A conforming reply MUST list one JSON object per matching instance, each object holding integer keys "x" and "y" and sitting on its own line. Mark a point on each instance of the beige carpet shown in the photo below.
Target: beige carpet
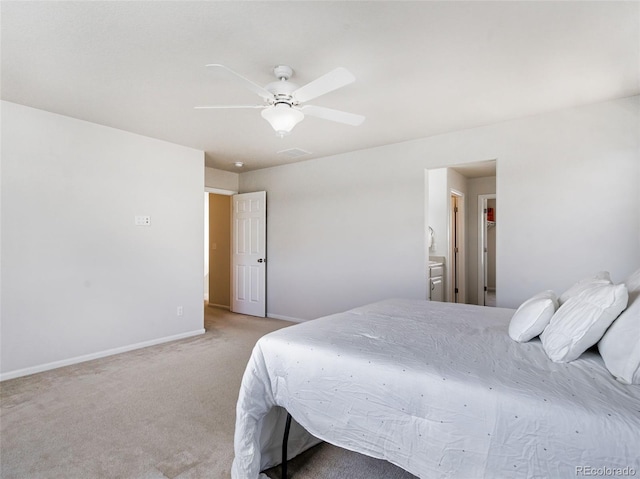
{"x": 166, "y": 411}
{"x": 330, "y": 462}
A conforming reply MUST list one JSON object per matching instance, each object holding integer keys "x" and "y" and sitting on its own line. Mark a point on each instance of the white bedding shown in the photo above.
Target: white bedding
{"x": 438, "y": 389}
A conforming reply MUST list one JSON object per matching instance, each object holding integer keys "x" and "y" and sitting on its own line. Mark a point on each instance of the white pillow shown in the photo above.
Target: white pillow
{"x": 582, "y": 320}
{"x": 601, "y": 277}
{"x": 620, "y": 345}
{"x": 532, "y": 316}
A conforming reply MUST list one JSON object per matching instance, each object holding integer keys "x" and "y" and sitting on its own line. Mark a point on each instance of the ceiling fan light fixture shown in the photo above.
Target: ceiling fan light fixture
{"x": 284, "y": 101}
{"x": 282, "y": 117}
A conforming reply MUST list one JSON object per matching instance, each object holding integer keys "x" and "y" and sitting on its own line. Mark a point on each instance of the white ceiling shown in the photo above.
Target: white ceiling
{"x": 422, "y": 68}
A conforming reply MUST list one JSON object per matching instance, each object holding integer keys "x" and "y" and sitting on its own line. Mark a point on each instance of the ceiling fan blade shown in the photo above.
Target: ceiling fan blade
{"x": 213, "y": 107}
{"x": 254, "y": 87}
{"x": 330, "y": 81}
{"x": 333, "y": 115}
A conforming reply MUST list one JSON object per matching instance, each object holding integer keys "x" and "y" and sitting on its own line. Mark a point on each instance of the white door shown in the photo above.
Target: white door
{"x": 248, "y": 256}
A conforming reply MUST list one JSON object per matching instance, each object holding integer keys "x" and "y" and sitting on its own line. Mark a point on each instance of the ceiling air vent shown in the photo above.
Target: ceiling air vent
{"x": 294, "y": 152}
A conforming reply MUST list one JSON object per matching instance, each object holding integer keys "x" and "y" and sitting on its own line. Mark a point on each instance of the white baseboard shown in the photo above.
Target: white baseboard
{"x": 88, "y": 357}
{"x": 286, "y": 318}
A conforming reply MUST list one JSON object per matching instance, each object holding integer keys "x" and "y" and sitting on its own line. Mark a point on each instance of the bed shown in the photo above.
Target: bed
{"x": 438, "y": 389}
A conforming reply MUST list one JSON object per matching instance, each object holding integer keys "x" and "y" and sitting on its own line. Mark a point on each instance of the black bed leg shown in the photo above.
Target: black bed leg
{"x": 285, "y": 439}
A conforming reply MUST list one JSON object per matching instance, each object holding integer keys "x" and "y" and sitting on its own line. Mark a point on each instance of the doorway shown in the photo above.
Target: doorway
{"x": 466, "y": 181}
{"x": 218, "y": 249}
{"x": 456, "y": 249}
{"x": 234, "y": 274}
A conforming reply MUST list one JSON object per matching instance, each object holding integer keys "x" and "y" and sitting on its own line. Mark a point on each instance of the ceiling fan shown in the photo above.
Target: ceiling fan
{"x": 283, "y": 100}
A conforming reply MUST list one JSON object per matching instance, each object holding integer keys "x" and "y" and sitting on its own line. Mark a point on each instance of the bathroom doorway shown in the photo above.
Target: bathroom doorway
{"x": 470, "y": 181}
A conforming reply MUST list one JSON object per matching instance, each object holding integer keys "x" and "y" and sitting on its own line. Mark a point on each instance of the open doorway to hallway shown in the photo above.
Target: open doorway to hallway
{"x": 447, "y": 188}
{"x": 217, "y": 268}
{"x": 235, "y": 251}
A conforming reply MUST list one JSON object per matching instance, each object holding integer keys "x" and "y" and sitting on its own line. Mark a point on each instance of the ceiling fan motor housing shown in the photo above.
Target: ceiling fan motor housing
{"x": 282, "y": 72}
{"x": 282, "y": 91}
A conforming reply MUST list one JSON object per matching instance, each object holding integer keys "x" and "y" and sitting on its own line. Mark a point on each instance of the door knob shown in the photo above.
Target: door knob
{"x": 261, "y": 260}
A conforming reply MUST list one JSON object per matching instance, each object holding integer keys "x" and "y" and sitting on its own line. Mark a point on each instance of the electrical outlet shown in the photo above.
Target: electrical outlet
{"x": 179, "y": 311}
{"x": 143, "y": 220}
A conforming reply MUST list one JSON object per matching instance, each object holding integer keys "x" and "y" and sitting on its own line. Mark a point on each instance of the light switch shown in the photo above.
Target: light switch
{"x": 143, "y": 220}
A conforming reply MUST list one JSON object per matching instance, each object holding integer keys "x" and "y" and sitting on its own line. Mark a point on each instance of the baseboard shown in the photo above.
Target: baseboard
{"x": 88, "y": 357}
{"x": 286, "y": 318}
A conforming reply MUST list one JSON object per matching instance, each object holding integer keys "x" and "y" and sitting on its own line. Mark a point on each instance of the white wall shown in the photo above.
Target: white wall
{"x": 220, "y": 179}
{"x": 456, "y": 182}
{"x": 79, "y": 279}
{"x": 338, "y": 233}
{"x": 349, "y": 229}
{"x": 438, "y": 211}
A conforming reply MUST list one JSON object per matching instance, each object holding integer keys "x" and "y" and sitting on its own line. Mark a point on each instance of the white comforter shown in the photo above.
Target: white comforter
{"x": 438, "y": 389}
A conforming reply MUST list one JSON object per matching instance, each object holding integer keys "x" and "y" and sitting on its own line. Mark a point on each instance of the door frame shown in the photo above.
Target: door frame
{"x": 207, "y": 241}
{"x": 458, "y": 268}
{"x": 482, "y": 244}
{"x": 219, "y": 191}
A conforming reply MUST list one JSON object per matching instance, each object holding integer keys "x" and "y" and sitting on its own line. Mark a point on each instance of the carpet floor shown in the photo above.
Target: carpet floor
{"x": 161, "y": 412}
